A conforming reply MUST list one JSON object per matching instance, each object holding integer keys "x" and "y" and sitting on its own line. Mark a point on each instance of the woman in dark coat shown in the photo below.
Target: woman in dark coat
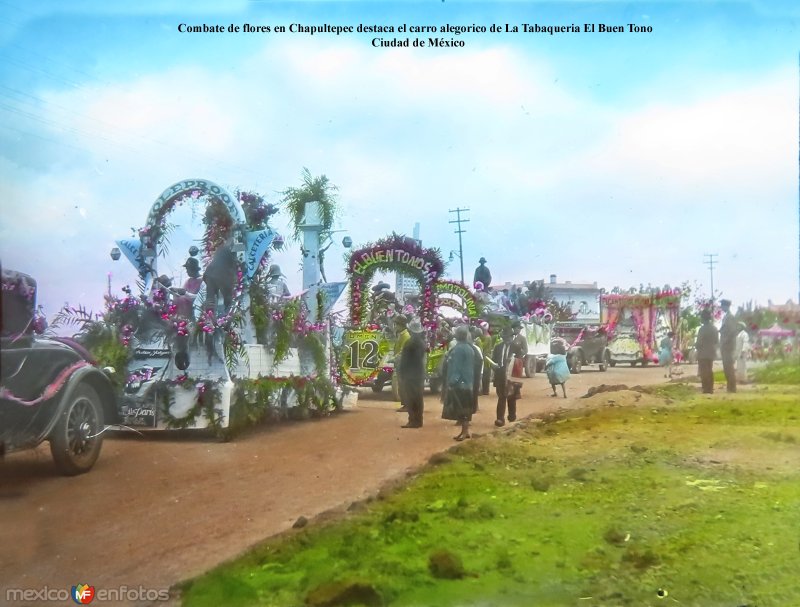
{"x": 459, "y": 382}
{"x": 412, "y": 373}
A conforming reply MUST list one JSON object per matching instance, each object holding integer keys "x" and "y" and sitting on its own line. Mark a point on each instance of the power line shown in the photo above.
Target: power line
{"x": 458, "y": 220}
{"x": 710, "y": 261}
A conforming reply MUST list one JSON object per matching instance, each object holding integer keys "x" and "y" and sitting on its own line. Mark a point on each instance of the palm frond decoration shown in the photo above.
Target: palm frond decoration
{"x": 318, "y": 189}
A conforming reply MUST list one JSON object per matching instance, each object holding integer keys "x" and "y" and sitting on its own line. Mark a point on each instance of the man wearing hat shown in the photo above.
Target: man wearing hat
{"x": 276, "y": 285}
{"x": 482, "y": 274}
{"x": 502, "y": 360}
{"x": 727, "y": 344}
{"x": 705, "y": 345}
{"x": 411, "y": 365}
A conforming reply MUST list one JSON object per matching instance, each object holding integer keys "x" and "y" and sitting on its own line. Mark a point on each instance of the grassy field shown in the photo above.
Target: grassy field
{"x": 663, "y": 497}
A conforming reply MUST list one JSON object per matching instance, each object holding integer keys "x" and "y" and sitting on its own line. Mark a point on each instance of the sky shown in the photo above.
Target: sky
{"x": 617, "y": 158}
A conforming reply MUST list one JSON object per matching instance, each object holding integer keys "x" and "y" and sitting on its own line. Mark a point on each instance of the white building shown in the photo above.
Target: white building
{"x": 582, "y": 298}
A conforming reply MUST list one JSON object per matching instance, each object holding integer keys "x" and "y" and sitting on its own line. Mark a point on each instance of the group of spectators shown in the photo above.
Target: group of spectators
{"x": 467, "y": 370}
{"x": 733, "y": 343}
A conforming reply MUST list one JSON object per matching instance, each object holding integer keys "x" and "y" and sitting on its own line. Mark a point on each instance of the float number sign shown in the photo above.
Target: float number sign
{"x": 363, "y": 353}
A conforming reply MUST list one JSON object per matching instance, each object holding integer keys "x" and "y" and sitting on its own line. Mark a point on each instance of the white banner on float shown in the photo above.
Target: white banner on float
{"x": 257, "y": 244}
{"x": 131, "y": 249}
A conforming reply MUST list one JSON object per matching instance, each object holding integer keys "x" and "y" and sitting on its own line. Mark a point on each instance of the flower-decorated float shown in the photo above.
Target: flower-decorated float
{"x": 636, "y": 322}
{"x": 230, "y": 346}
{"x": 368, "y": 342}
{"x": 534, "y": 324}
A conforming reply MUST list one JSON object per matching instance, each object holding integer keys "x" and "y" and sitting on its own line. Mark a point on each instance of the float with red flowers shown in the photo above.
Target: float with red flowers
{"x": 224, "y": 348}
{"x": 636, "y": 321}
{"x": 368, "y": 341}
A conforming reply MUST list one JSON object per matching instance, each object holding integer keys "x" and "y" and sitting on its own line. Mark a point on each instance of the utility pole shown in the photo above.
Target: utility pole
{"x": 710, "y": 261}
{"x": 459, "y": 231}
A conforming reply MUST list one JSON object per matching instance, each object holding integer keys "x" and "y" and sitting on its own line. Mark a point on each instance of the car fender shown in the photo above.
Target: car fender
{"x": 95, "y": 378}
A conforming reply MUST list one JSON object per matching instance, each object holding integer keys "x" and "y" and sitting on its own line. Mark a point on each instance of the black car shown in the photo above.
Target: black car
{"x": 50, "y": 389}
{"x": 587, "y": 345}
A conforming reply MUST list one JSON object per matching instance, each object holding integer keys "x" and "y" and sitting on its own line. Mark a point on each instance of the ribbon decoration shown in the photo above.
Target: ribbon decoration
{"x": 52, "y": 388}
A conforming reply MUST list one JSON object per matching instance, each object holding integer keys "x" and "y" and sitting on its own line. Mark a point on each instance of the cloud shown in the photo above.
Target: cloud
{"x": 555, "y": 180}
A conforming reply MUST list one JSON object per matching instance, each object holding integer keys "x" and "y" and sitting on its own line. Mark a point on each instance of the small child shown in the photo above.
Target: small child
{"x": 556, "y": 366}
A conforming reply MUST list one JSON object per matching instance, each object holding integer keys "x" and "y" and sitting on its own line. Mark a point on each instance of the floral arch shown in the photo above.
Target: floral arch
{"x": 454, "y": 294}
{"x": 228, "y": 218}
{"x": 400, "y": 254}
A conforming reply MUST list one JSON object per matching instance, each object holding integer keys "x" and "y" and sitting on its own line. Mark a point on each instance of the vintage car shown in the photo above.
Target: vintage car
{"x": 49, "y": 387}
{"x": 587, "y": 345}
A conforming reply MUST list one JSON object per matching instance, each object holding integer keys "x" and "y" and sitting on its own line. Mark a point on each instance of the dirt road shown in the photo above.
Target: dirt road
{"x": 158, "y": 510}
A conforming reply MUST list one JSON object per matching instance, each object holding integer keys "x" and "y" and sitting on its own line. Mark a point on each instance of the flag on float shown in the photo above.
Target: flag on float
{"x": 331, "y": 291}
{"x": 132, "y": 249}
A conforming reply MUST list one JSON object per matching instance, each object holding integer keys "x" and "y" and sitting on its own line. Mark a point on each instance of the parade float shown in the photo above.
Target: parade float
{"x": 535, "y": 325}
{"x": 367, "y": 345}
{"x": 455, "y": 302}
{"x": 635, "y": 322}
{"x": 538, "y": 332}
{"x": 225, "y": 350}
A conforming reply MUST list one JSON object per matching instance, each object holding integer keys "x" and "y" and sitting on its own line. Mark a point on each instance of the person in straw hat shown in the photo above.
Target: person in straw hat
{"x": 412, "y": 373}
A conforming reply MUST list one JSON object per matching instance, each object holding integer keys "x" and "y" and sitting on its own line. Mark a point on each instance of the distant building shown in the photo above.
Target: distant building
{"x": 405, "y": 285}
{"x": 789, "y": 309}
{"x": 582, "y": 298}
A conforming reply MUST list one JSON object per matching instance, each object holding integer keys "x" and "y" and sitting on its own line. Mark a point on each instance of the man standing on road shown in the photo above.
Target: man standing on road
{"x": 727, "y": 344}
{"x": 706, "y": 348}
{"x": 411, "y": 365}
{"x": 502, "y": 359}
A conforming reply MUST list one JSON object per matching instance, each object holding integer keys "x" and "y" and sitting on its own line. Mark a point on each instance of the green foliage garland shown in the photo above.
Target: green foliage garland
{"x": 312, "y": 343}
{"x": 284, "y": 328}
{"x": 255, "y": 400}
{"x": 317, "y": 189}
{"x": 207, "y": 394}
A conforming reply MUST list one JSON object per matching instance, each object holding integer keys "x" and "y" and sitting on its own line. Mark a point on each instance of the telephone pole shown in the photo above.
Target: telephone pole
{"x": 710, "y": 261}
{"x": 459, "y": 231}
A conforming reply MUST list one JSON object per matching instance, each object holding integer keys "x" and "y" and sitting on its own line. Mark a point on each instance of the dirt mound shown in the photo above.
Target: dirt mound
{"x": 613, "y": 396}
{"x": 604, "y": 388}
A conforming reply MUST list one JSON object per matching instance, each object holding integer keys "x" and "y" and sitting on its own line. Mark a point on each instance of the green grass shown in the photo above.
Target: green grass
{"x": 779, "y": 372}
{"x": 692, "y": 496}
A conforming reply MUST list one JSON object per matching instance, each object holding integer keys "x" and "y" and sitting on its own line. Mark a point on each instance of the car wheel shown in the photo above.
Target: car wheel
{"x": 77, "y": 437}
{"x": 645, "y": 362}
{"x": 377, "y": 386}
{"x": 605, "y": 361}
{"x": 612, "y": 363}
{"x": 530, "y": 366}
{"x": 577, "y": 363}
{"x": 434, "y": 385}
{"x": 633, "y": 363}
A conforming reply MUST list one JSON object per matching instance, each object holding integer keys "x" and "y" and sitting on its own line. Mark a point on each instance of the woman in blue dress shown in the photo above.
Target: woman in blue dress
{"x": 556, "y": 366}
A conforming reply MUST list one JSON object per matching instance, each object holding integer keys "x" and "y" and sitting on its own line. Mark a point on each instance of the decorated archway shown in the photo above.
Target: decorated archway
{"x": 454, "y": 294}
{"x": 240, "y": 220}
{"x": 395, "y": 254}
{"x": 224, "y": 217}
{"x": 365, "y": 346}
